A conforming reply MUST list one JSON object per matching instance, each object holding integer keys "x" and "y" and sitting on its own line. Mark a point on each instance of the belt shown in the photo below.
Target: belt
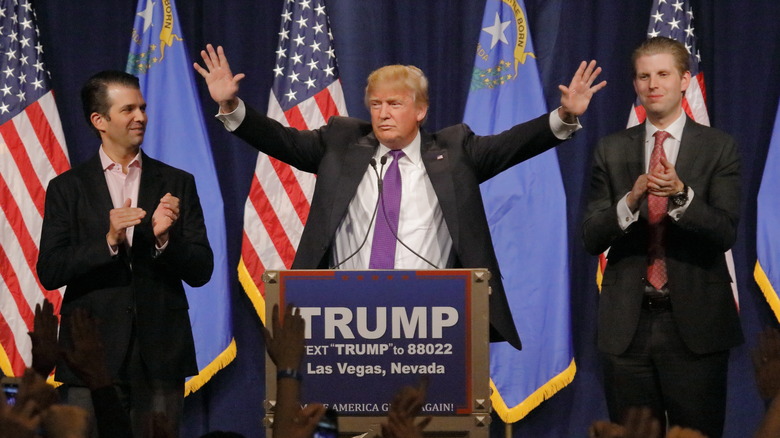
{"x": 663, "y": 302}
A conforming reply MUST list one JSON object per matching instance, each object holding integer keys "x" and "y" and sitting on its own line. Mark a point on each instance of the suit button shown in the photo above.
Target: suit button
{"x": 129, "y": 310}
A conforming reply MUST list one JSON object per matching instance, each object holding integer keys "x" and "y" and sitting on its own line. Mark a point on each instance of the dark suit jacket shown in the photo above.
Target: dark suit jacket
{"x": 133, "y": 285}
{"x": 702, "y": 301}
{"x": 456, "y": 161}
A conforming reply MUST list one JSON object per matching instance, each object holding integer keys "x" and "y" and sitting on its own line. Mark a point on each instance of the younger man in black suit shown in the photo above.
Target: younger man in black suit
{"x": 121, "y": 232}
{"x": 664, "y": 199}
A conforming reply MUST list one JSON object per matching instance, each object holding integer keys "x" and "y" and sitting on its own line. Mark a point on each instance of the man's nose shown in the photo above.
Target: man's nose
{"x": 383, "y": 111}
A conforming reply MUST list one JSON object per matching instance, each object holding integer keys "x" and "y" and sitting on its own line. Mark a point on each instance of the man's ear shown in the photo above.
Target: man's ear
{"x": 97, "y": 121}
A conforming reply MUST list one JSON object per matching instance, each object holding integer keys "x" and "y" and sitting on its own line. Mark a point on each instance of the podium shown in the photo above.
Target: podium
{"x": 369, "y": 333}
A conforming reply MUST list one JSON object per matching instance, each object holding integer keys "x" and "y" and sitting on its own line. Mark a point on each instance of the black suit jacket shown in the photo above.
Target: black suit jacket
{"x": 702, "y": 301}
{"x": 134, "y": 290}
{"x": 456, "y": 161}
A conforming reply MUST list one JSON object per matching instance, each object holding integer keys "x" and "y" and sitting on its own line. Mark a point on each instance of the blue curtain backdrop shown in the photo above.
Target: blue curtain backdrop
{"x": 740, "y": 45}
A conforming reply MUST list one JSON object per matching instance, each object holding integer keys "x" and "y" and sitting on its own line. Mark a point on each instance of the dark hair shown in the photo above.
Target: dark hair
{"x": 658, "y": 45}
{"x": 94, "y": 93}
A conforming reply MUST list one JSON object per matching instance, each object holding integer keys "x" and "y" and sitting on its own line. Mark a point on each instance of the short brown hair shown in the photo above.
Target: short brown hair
{"x": 659, "y": 45}
{"x": 406, "y": 76}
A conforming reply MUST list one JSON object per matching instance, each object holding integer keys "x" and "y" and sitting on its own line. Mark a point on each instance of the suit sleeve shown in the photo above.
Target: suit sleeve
{"x": 492, "y": 154}
{"x": 713, "y": 214}
{"x": 188, "y": 255}
{"x": 61, "y": 258}
{"x": 299, "y": 148}
{"x": 600, "y": 226}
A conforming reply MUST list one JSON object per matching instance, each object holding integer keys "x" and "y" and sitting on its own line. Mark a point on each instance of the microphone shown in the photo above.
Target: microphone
{"x": 376, "y": 207}
{"x": 384, "y": 213}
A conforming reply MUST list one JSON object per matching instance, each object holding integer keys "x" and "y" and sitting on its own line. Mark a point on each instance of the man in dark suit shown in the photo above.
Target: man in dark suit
{"x": 121, "y": 232}
{"x": 664, "y": 199}
{"x": 440, "y": 221}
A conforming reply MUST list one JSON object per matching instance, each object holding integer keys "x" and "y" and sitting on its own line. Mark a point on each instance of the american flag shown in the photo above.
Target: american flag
{"x": 675, "y": 20}
{"x": 32, "y": 152}
{"x": 306, "y": 93}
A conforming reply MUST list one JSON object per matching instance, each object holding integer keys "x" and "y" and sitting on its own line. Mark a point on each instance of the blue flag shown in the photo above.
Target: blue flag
{"x": 177, "y": 136}
{"x": 767, "y": 272}
{"x": 526, "y": 209}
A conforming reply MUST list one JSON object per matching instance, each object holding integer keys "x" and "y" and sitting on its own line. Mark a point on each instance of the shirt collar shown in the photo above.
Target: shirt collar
{"x": 412, "y": 150}
{"x": 675, "y": 129}
{"x": 107, "y": 163}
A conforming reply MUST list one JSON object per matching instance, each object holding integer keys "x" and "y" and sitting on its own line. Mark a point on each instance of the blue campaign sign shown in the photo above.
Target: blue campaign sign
{"x": 369, "y": 333}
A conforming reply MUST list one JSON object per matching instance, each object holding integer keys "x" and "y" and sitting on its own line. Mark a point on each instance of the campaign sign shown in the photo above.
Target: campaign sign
{"x": 369, "y": 333}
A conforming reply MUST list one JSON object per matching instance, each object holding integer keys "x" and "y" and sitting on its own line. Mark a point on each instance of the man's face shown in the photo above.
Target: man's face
{"x": 394, "y": 115}
{"x": 659, "y": 85}
{"x": 125, "y": 125}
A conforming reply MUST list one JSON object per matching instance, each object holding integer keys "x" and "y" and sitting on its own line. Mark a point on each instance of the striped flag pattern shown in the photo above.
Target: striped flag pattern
{"x": 675, "y": 20}
{"x": 32, "y": 152}
{"x": 306, "y": 93}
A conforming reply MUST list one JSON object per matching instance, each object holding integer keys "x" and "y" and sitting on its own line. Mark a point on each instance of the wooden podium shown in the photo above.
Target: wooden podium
{"x": 369, "y": 333}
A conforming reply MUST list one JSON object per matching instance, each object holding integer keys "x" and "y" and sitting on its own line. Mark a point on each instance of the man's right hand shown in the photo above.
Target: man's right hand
{"x": 120, "y": 219}
{"x": 223, "y": 86}
{"x": 637, "y": 193}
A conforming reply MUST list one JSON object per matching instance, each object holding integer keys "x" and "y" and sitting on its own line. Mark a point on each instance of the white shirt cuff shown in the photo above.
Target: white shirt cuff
{"x": 231, "y": 121}
{"x": 561, "y": 129}
{"x": 625, "y": 216}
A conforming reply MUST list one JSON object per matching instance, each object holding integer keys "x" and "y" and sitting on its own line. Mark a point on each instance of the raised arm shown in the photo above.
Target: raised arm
{"x": 223, "y": 85}
{"x": 576, "y": 97}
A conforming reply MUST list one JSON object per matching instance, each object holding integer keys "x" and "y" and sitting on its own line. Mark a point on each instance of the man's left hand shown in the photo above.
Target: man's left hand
{"x": 663, "y": 180}
{"x": 165, "y": 215}
{"x": 576, "y": 97}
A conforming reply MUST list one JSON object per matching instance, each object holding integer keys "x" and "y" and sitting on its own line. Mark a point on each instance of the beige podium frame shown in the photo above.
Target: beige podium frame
{"x": 473, "y": 425}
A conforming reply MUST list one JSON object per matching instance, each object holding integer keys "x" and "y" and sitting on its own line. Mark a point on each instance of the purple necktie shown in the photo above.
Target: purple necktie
{"x": 656, "y": 206}
{"x": 383, "y": 246}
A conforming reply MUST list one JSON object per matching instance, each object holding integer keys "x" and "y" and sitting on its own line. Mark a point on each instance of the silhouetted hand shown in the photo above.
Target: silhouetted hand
{"x": 87, "y": 359}
{"x": 301, "y": 425}
{"x": 286, "y": 345}
{"x": 45, "y": 350}
{"x": 404, "y": 409}
{"x": 766, "y": 362}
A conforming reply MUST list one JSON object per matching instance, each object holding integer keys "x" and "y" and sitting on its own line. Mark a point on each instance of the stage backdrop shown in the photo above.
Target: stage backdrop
{"x": 740, "y": 48}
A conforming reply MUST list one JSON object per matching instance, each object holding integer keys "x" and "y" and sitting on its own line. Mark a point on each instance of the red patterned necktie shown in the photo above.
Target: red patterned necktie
{"x": 656, "y": 206}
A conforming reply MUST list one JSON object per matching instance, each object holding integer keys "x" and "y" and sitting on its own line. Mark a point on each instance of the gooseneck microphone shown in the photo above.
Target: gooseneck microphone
{"x": 382, "y": 161}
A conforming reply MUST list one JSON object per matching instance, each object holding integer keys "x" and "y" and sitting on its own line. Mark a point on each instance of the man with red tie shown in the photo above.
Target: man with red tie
{"x": 664, "y": 198}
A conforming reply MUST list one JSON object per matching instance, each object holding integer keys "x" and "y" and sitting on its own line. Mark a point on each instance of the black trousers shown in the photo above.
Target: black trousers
{"x": 658, "y": 371}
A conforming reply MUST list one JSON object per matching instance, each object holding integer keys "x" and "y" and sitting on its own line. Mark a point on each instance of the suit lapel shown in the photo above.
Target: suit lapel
{"x": 437, "y": 166}
{"x": 689, "y": 147}
{"x": 96, "y": 183}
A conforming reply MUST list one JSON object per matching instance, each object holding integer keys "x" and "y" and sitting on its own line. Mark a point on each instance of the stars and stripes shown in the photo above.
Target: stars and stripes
{"x": 306, "y": 93}
{"x": 32, "y": 152}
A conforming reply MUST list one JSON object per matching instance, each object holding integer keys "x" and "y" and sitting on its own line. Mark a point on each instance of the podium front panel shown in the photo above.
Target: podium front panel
{"x": 369, "y": 333}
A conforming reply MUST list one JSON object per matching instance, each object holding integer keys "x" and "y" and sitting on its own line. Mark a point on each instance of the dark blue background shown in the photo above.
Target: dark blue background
{"x": 740, "y": 45}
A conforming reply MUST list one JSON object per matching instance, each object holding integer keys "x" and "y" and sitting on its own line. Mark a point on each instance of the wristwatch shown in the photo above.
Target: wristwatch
{"x": 680, "y": 198}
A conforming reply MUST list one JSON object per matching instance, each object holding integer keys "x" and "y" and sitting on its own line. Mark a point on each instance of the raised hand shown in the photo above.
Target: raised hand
{"x": 45, "y": 350}
{"x": 576, "y": 97}
{"x": 87, "y": 358}
{"x": 286, "y": 345}
{"x": 165, "y": 215}
{"x": 223, "y": 85}
{"x": 120, "y": 219}
{"x": 404, "y": 409}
